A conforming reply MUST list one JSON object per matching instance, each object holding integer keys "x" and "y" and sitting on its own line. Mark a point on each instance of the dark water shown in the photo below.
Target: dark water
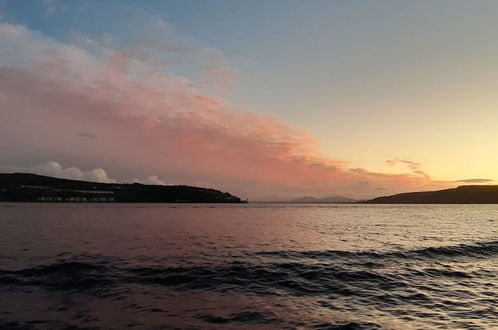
{"x": 71, "y": 266}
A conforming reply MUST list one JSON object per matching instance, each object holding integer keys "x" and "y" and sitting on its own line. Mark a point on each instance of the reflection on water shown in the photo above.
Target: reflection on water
{"x": 250, "y": 266}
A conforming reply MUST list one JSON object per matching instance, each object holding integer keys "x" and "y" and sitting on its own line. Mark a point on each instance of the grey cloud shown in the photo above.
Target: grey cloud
{"x": 475, "y": 180}
{"x": 87, "y": 135}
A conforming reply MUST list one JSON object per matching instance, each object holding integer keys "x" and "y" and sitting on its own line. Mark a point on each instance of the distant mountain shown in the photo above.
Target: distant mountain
{"x": 469, "y": 194}
{"x": 26, "y": 187}
{"x": 326, "y": 200}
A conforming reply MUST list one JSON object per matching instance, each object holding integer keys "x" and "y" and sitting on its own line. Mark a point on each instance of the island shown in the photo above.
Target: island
{"x": 28, "y": 187}
{"x": 468, "y": 194}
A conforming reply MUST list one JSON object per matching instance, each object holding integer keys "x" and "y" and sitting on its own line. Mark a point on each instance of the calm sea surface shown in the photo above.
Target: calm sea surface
{"x": 260, "y": 266}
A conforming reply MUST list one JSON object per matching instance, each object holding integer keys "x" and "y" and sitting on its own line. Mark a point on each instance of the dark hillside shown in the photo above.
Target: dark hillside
{"x": 472, "y": 194}
{"x": 25, "y": 187}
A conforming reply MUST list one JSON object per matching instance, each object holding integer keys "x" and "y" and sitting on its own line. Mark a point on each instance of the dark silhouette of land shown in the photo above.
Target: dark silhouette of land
{"x": 468, "y": 194}
{"x": 26, "y": 187}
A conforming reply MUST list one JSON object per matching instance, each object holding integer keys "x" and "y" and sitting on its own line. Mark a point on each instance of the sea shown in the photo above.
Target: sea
{"x": 248, "y": 266}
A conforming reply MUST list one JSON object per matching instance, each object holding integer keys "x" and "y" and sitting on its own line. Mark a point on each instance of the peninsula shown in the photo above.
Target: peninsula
{"x": 468, "y": 194}
{"x": 27, "y": 187}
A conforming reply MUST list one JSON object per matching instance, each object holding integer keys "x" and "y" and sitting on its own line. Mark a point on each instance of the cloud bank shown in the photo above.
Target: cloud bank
{"x": 151, "y": 179}
{"x": 117, "y": 109}
{"x": 55, "y": 169}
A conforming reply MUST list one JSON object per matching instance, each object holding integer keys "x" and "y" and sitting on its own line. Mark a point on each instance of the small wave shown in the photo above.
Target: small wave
{"x": 475, "y": 250}
{"x": 66, "y": 275}
{"x": 264, "y": 279}
{"x": 244, "y": 318}
{"x": 295, "y": 278}
{"x": 347, "y": 326}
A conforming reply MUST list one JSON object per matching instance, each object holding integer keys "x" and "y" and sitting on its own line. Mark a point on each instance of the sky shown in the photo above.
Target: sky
{"x": 268, "y": 100}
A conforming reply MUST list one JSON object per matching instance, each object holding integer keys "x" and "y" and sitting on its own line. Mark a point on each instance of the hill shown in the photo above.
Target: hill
{"x": 469, "y": 194}
{"x": 26, "y": 187}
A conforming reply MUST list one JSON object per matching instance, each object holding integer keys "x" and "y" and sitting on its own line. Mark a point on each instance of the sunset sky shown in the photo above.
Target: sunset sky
{"x": 267, "y": 99}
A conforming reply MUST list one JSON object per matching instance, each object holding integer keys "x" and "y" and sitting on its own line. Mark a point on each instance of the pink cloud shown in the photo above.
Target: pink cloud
{"x": 151, "y": 121}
